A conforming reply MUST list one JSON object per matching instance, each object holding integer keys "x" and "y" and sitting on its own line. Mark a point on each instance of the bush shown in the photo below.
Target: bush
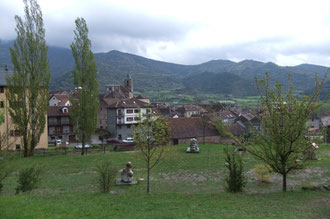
{"x": 235, "y": 179}
{"x": 262, "y": 171}
{"x": 106, "y": 175}
{"x": 28, "y": 179}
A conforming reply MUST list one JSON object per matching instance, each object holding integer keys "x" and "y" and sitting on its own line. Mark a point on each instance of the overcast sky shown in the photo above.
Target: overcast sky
{"x": 286, "y": 32}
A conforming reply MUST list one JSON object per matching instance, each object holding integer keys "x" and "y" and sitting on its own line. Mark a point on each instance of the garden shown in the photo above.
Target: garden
{"x": 183, "y": 185}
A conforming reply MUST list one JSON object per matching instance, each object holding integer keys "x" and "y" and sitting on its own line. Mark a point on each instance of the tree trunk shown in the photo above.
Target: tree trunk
{"x": 83, "y": 145}
{"x": 148, "y": 176}
{"x": 25, "y": 147}
{"x": 284, "y": 182}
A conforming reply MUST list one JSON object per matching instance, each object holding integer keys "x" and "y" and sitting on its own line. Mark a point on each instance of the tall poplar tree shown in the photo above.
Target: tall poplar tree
{"x": 85, "y": 99}
{"x": 28, "y": 85}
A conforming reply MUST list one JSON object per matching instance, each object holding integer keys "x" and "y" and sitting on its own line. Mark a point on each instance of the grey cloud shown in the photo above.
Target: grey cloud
{"x": 118, "y": 28}
{"x": 265, "y": 50}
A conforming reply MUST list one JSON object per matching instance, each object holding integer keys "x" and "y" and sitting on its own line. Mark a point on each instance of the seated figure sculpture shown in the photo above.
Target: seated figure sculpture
{"x": 193, "y": 148}
{"x": 127, "y": 173}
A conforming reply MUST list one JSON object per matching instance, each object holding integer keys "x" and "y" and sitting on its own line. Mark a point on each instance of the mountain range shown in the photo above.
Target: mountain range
{"x": 213, "y": 77}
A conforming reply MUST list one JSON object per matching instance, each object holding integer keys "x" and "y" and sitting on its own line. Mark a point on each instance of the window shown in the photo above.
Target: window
{"x": 136, "y": 118}
{"x": 2, "y": 104}
{"x": 128, "y": 119}
{"x": 58, "y": 129}
{"x": 119, "y": 126}
{"x": 119, "y": 137}
{"x": 18, "y": 147}
{"x": 2, "y": 89}
{"x": 136, "y": 111}
{"x": 148, "y": 111}
{"x": 128, "y": 126}
{"x": 129, "y": 111}
{"x": 17, "y": 133}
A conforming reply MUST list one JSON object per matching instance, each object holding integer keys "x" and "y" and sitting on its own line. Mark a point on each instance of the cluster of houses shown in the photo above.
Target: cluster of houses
{"x": 119, "y": 110}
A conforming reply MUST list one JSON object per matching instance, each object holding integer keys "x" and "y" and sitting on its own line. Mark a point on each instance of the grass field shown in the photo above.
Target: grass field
{"x": 183, "y": 186}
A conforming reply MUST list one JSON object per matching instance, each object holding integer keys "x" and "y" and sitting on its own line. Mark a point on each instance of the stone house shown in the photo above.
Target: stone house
{"x": 190, "y": 110}
{"x": 122, "y": 114}
{"x": 183, "y": 129}
{"x": 59, "y": 100}
{"x": 248, "y": 121}
{"x": 60, "y": 124}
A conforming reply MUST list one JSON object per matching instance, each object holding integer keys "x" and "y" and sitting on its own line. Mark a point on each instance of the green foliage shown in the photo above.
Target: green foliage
{"x": 85, "y": 100}
{"x": 223, "y": 129}
{"x": 28, "y": 179}
{"x": 151, "y": 136}
{"x": 263, "y": 171}
{"x": 235, "y": 180}
{"x": 281, "y": 142}
{"x": 28, "y": 85}
{"x": 106, "y": 174}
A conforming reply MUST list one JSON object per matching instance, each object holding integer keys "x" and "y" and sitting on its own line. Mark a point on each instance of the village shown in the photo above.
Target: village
{"x": 119, "y": 110}
{"x": 211, "y": 123}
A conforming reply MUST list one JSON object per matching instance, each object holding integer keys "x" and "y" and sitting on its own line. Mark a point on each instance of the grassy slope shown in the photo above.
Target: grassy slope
{"x": 183, "y": 186}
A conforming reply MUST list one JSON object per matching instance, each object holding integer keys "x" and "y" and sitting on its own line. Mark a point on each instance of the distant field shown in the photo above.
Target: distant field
{"x": 182, "y": 186}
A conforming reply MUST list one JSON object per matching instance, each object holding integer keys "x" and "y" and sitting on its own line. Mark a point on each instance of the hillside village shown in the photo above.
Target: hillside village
{"x": 207, "y": 138}
{"x": 119, "y": 110}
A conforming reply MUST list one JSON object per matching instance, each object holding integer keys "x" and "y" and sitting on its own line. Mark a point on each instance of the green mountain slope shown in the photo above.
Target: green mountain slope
{"x": 216, "y": 76}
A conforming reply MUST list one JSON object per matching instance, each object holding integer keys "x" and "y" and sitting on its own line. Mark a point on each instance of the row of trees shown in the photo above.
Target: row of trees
{"x": 28, "y": 85}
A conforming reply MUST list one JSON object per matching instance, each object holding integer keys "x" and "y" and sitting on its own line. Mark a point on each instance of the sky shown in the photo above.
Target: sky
{"x": 285, "y": 32}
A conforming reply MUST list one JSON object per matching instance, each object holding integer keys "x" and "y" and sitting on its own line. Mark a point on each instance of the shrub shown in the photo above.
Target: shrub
{"x": 28, "y": 179}
{"x": 235, "y": 179}
{"x": 106, "y": 175}
{"x": 262, "y": 171}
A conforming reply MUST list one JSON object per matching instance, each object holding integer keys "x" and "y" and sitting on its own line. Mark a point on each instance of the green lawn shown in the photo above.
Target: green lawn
{"x": 183, "y": 186}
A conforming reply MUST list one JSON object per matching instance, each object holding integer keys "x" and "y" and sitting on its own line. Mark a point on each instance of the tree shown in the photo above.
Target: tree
{"x": 151, "y": 136}
{"x": 235, "y": 179}
{"x": 103, "y": 135}
{"x": 85, "y": 99}
{"x": 281, "y": 143}
{"x": 28, "y": 85}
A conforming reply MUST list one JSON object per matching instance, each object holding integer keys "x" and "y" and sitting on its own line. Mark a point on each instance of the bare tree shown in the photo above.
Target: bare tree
{"x": 151, "y": 136}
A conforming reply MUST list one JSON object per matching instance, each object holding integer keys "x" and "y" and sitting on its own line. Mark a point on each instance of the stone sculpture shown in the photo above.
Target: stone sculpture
{"x": 193, "y": 148}
{"x": 127, "y": 173}
{"x": 126, "y": 176}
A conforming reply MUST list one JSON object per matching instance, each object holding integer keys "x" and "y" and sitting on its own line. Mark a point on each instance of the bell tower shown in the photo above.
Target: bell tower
{"x": 128, "y": 83}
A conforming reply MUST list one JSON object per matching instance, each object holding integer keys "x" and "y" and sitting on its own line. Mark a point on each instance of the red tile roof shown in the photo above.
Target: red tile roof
{"x": 57, "y": 111}
{"x": 189, "y": 128}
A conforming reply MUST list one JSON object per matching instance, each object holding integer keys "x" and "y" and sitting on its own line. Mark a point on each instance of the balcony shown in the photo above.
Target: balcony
{"x": 50, "y": 123}
{"x": 119, "y": 115}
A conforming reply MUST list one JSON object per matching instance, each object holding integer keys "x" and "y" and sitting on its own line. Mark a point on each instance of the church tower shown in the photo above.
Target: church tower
{"x": 128, "y": 83}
